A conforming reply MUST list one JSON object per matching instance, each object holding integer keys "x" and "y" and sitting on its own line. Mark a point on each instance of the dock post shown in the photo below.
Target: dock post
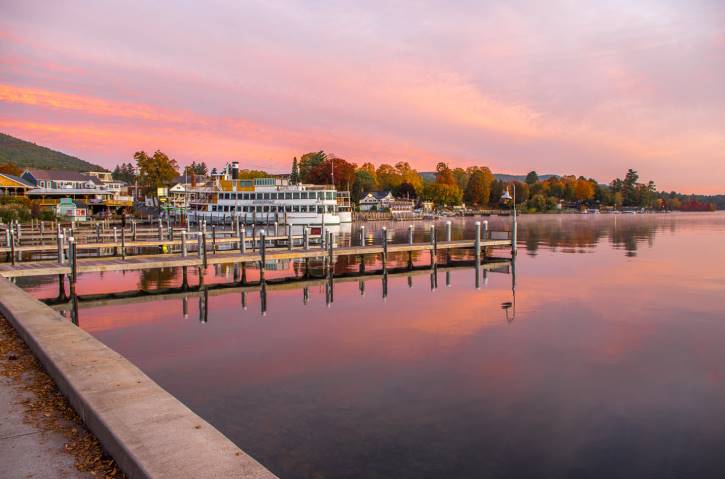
{"x": 243, "y": 240}
{"x": 19, "y": 231}
{"x": 213, "y": 239}
{"x": 184, "y": 249}
{"x": 262, "y": 254}
{"x": 123, "y": 243}
{"x": 98, "y": 233}
{"x": 362, "y": 236}
{"x": 276, "y": 228}
{"x": 477, "y": 242}
{"x": 448, "y": 240}
{"x": 306, "y": 237}
{"x": 12, "y": 247}
{"x": 236, "y": 230}
{"x": 329, "y": 250}
{"x": 434, "y": 245}
{"x": 74, "y": 264}
{"x": 385, "y": 249}
{"x": 161, "y": 229}
{"x": 7, "y": 236}
{"x": 514, "y": 234}
{"x": 410, "y": 235}
{"x": 254, "y": 237}
{"x": 289, "y": 237}
{"x": 484, "y": 237}
{"x": 203, "y": 249}
{"x": 59, "y": 243}
{"x": 115, "y": 240}
{"x": 133, "y": 230}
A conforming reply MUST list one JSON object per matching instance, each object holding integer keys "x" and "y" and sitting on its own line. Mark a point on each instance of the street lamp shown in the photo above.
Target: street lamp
{"x": 506, "y": 197}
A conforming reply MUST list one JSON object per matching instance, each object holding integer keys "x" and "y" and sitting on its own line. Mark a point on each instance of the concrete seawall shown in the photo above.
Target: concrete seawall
{"x": 148, "y": 432}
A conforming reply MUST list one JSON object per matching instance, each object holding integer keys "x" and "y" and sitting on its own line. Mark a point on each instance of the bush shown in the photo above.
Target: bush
{"x": 11, "y": 212}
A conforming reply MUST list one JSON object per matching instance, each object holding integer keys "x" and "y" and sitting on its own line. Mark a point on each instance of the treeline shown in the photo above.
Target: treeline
{"x": 475, "y": 186}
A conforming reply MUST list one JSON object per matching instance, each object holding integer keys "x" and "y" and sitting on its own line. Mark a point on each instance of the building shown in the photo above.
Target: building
{"x": 68, "y": 210}
{"x": 104, "y": 176}
{"x": 52, "y": 179}
{"x": 376, "y": 201}
{"x": 401, "y": 206}
{"x": 11, "y": 185}
{"x": 52, "y": 186}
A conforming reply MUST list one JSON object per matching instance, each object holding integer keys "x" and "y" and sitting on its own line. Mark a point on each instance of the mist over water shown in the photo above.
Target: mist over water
{"x": 604, "y": 359}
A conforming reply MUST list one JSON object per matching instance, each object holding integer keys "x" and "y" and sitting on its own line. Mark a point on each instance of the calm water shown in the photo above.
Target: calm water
{"x": 609, "y": 361}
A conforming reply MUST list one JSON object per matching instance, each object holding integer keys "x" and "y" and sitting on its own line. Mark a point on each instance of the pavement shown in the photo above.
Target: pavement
{"x": 25, "y": 450}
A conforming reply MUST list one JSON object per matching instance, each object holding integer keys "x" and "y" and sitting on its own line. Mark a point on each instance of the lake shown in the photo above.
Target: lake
{"x": 602, "y": 356}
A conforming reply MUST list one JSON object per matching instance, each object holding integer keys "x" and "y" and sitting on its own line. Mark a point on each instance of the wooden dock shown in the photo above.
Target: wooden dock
{"x": 142, "y": 262}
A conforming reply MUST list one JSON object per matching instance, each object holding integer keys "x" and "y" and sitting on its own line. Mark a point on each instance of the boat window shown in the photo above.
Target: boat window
{"x": 328, "y": 195}
{"x": 303, "y": 195}
{"x": 266, "y": 196}
{"x": 288, "y": 209}
{"x": 288, "y": 196}
{"x": 296, "y": 196}
{"x": 274, "y": 196}
{"x": 245, "y": 196}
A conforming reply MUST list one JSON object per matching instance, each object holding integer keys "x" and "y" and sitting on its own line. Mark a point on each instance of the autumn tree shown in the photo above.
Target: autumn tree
{"x": 311, "y": 163}
{"x": 11, "y": 168}
{"x": 478, "y": 188}
{"x": 444, "y": 175}
{"x": 155, "y": 171}
{"x": 532, "y": 178}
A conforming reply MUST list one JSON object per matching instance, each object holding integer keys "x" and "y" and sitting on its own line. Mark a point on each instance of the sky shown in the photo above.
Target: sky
{"x": 565, "y": 87}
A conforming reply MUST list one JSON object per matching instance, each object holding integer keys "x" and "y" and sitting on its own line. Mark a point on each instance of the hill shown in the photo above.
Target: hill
{"x": 29, "y": 155}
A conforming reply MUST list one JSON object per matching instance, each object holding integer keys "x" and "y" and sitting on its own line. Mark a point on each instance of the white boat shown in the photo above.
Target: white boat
{"x": 344, "y": 206}
{"x": 264, "y": 200}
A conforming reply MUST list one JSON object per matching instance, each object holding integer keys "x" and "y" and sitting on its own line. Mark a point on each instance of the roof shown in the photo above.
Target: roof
{"x": 379, "y": 195}
{"x": 62, "y": 175}
{"x": 17, "y": 179}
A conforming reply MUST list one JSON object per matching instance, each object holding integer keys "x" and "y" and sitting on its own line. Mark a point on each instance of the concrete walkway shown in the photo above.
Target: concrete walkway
{"x": 26, "y": 451}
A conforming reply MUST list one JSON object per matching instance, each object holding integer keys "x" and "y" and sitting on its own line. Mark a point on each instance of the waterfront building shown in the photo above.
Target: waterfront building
{"x": 11, "y": 185}
{"x": 376, "y": 200}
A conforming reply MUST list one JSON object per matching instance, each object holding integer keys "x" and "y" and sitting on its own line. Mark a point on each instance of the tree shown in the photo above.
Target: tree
{"x": 294, "y": 177}
{"x": 444, "y": 175}
{"x": 388, "y": 177}
{"x": 461, "y": 177}
{"x": 155, "y": 171}
{"x": 406, "y": 190}
{"x": 442, "y": 194}
{"x": 364, "y": 183}
{"x": 629, "y": 188}
{"x": 124, "y": 172}
{"x": 310, "y": 162}
{"x": 584, "y": 190}
{"x": 478, "y": 189}
{"x": 10, "y": 168}
{"x": 532, "y": 178}
{"x": 409, "y": 175}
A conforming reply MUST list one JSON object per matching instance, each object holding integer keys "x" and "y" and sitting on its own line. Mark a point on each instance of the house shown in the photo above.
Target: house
{"x": 11, "y": 185}
{"x": 104, "y": 176}
{"x": 61, "y": 179}
{"x": 377, "y": 200}
{"x": 68, "y": 210}
{"x": 401, "y": 206}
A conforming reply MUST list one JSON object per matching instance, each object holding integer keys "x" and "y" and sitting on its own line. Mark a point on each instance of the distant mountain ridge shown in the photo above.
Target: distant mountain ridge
{"x": 29, "y": 155}
{"x": 431, "y": 176}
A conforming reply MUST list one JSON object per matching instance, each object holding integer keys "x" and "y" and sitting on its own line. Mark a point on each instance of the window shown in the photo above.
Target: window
{"x": 303, "y": 195}
{"x": 296, "y": 208}
{"x": 266, "y": 196}
{"x": 288, "y": 196}
{"x": 296, "y": 196}
{"x": 273, "y": 196}
{"x": 328, "y": 195}
{"x": 245, "y": 196}
{"x": 321, "y": 195}
{"x": 265, "y": 209}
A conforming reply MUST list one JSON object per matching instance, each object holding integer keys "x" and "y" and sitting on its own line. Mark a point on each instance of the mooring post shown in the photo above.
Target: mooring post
{"x": 329, "y": 250}
{"x": 243, "y": 240}
{"x": 477, "y": 242}
{"x": 362, "y": 235}
{"x": 123, "y": 243}
{"x": 484, "y": 237}
{"x": 12, "y": 247}
{"x": 262, "y": 254}
{"x": 410, "y": 234}
{"x": 7, "y": 236}
{"x": 74, "y": 263}
{"x": 98, "y": 233}
{"x": 434, "y": 246}
{"x": 289, "y": 237}
{"x": 59, "y": 243}
{"x": 237, "y": 233}
{"x": 161, "y": 229}
{"x": 184, "y": 250}
{"x": 203, "y": 249}
{"x": 385, "y": 249}
{"x": 115, "y": 240}
{"x": 213, "y": 239}
{"x": 133, "y": 230}
{"x": 276, "y": 228}
{"x": 254, "y": 237}
{"x": 20, "y": 232}
{"x": 305, "y": 237}
{"x": 514, "y": 234}
{"x": 448, "y": 240}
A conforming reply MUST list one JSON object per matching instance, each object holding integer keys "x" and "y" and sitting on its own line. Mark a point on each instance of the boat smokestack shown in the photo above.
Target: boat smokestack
{"x": 235, "y": 170}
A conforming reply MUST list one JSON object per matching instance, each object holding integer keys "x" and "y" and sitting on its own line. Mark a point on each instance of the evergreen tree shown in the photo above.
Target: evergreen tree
{"x": 294, "y": 177}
